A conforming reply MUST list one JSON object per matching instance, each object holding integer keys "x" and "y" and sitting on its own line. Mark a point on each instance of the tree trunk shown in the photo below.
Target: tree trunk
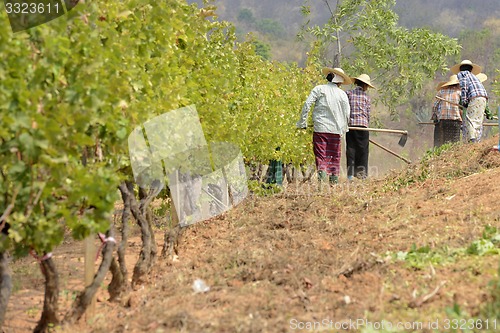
{"x": 117, "y": 286}
{"x": 50, "y": 304}
{"x": 154, "y": 246}
{"x": 83, "y": 300}
{"x": 261, "y": 173}
{"x": 142, "y": 266}
{"x": 307, "y": 172}
{"x": 119, "y": 282}
{"x": 337, "y": 59}
{"x": 171, "y": 241}
{"x": 256, "y": 171}
{"x": 5, "y": 285}
{"x": 290, "y": 173}
{"x": 146, "y": 198}
{"x": 125, "y": 228}
{"x": 172, "y": 236}
{"x": 144, "y": 216}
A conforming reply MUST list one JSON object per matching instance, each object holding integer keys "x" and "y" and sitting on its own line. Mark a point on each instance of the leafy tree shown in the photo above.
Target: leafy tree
{"x": 480, "y": 46}
{"x": 270, "y": 27}
{"x": 47, "y": 123}
{"x": 364, "y": 37}
{"x": 246, "y": 15}
{"x": 483, "y": 47}
{"x": 262, "y": 49}
{"x": 71, "y": 91}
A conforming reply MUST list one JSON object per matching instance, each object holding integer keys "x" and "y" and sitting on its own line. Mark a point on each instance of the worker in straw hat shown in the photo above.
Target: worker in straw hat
{"x": 483, "y": 77}
{"x": 487, "y": 113}
{"x": 357, "y": 142}
{"x": 473, "y": 96}
{"x": 446, "y": 112}
{"x": 330, "y": 121}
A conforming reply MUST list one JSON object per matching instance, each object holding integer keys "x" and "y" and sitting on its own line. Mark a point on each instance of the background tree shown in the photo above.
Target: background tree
{"x": 246, "y": 16}
{"x": 368, "y": 36}
{"x": 262, "y": 49}
{"x": 270, "y": 27}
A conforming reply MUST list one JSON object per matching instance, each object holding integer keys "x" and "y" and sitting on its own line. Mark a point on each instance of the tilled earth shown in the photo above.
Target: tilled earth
{"x": 304, "y": 259}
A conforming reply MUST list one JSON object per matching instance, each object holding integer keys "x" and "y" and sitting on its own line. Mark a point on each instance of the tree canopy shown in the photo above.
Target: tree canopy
{"x": 364, "y": 37}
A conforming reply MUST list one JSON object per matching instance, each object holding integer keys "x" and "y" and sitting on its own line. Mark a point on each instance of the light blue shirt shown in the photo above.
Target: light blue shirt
{"x": 331, "y": 110}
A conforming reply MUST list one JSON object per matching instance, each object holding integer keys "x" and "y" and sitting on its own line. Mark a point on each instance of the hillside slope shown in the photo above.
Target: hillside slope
{"x": 402, "y": 249}
{"x": 447, "y": 16}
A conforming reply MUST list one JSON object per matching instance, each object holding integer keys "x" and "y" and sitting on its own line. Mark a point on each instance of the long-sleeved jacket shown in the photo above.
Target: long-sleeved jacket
{"x": 470, "y": 86}
{"x": 445, "y": 110}
{"x": 331, "y": 109}
{"x": 361, "y": 107}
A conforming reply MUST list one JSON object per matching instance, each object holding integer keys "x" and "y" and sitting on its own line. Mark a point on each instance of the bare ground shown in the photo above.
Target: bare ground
{"x": 279, "y": 263}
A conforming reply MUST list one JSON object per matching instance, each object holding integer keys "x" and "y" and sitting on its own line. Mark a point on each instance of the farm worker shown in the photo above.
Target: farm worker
{"x": 330, "y": 122}
{"x": 482, "y": 77}
{"x": 446, "y": 113}
{"x": 357, "y": 142}
{"x": 487, "y": 113}
{"x": 473, "y": 96}
{"x": 274, "y": 173}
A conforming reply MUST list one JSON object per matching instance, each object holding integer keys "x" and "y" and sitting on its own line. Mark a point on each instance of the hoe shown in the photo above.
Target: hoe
{"x": 402, "y": 139}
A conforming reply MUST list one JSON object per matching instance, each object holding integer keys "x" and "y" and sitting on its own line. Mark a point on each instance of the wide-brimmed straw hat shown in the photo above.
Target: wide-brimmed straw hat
{"x": 365, "y": 79}
{"x": 440, "y": 85}
{"x": 482, "y": 77}
{"x": 452, "y": 81}
{"x": 337, "y": 72}
{"x": 476, "y": 69}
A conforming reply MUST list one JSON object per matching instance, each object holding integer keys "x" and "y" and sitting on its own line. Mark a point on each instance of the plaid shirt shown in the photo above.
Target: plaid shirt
{"x": 471, "y": 87}
{"x": 360, "y": 107}
{"x": 444, "y": 110}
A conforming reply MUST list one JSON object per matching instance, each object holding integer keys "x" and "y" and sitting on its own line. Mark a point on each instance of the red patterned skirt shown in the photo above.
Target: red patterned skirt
{"x": 327, "y": 149}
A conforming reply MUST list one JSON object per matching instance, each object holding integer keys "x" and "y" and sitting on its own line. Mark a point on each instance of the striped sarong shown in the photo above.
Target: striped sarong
{"x": 327, "y": 150}
{"x": 446, "y": 130}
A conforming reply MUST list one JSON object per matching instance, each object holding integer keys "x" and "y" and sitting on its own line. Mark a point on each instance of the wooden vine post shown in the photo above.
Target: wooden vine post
{"x": 90, "y": 255}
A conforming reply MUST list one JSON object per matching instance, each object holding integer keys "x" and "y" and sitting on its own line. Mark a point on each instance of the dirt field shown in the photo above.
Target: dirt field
{"x": 398, "y": 254}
